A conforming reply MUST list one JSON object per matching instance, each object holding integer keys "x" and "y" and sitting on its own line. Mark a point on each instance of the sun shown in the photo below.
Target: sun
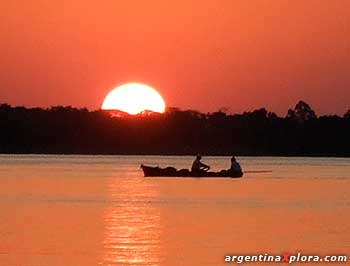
{"x": 134, "y": 98}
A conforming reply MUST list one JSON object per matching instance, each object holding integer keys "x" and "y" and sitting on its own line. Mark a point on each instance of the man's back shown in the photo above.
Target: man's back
{"x": 196, "y": 165}
{"x": 235, "y": 167}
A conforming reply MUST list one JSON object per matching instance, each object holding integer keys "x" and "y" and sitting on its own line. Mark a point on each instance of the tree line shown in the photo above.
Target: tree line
{"x": 68, "y": 130}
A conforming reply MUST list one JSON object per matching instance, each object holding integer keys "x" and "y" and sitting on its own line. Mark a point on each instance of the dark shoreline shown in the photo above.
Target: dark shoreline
{"x": 67, "y": 130}
{"x": 170, "y": 155}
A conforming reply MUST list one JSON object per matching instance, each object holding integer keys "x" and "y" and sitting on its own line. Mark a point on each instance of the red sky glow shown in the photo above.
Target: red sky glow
{"x": 201, "y": 55}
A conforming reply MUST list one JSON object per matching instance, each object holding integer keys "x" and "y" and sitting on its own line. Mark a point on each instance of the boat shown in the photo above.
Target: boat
{"x": 150, "y": 171}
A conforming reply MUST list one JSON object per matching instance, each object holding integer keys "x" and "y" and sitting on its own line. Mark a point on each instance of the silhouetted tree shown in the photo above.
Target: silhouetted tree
{"x": 302, "y": 112}
{"x": 347, "y": 114}
{"x": 65, "y": 129}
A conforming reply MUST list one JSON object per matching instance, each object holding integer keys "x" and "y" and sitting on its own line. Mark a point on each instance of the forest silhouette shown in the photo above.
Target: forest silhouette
{"x": 68, "y": 130}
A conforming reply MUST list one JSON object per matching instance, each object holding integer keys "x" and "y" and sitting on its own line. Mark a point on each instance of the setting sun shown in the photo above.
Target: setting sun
{"x": 134, "y": 98}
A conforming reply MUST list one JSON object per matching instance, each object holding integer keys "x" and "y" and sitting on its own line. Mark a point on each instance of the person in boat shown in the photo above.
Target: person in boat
{"x": 235, "y": 166}
{"x": 199, "y": 167}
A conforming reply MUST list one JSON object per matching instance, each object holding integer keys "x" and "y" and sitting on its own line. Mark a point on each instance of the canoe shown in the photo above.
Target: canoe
{"x": 150, "y": 171}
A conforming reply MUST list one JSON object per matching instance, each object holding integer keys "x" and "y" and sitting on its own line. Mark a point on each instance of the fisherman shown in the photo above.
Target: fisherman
{"x": 235, "y": 166}
{"x": 198, "y": 166}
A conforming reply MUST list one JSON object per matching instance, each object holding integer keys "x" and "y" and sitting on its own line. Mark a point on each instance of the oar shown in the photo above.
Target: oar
{"x": 258, "y": 172}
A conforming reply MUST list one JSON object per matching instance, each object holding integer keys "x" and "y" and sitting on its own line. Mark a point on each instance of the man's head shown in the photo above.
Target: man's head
{"x": 233, "y": 159}
{"x": 198, "y": 157}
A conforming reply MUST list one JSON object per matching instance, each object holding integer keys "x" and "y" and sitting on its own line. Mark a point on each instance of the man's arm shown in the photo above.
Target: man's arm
{"x": 204, "y": 165}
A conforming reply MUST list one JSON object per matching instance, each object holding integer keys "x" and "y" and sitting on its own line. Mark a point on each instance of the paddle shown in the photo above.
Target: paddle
{"x": 257, "y": 172}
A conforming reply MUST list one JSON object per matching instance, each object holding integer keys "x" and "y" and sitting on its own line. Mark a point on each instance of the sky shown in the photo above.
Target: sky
{"x": 201, "y": 55}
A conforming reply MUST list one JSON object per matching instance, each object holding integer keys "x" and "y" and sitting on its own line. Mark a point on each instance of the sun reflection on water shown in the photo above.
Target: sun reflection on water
{"x": 132, "y": 225}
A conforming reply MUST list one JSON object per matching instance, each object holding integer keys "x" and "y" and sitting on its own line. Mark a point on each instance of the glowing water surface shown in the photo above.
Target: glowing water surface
{"x": 100, "y": 210}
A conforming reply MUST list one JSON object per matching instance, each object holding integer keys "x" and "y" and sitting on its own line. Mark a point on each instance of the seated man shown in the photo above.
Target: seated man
{"x": 198, "y": 166}
{"x": 235, "y": 167}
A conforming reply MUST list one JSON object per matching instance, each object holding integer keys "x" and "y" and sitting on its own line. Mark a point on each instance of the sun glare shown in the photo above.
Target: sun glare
{"x": 134, "y": 98}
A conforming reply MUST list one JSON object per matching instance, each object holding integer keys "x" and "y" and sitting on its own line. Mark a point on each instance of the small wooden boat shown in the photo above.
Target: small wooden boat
{"x": 173, "y": 172}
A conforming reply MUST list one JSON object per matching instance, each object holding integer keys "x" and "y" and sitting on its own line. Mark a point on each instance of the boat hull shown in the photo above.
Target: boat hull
{"x": 150, "y": 171}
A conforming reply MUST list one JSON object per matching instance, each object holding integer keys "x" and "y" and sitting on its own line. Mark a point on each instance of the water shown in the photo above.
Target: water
{"x": 100, "y": 210}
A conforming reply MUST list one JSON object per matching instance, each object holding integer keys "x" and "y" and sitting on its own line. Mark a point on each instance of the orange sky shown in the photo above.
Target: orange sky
{"x": 200, "y": 55}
